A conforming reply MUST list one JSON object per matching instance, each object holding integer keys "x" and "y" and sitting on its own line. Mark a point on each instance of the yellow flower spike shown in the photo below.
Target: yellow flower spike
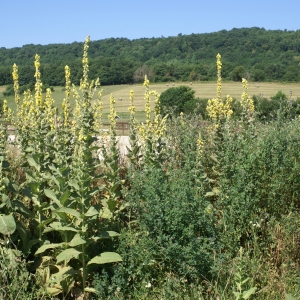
{"x": 131, "y": 107}
{"x": 38, "y": 83}
{"x": 246, "y": 102}
{"x": 66, "y": 101}
{"x": 15, "y": 76}
{"x": 112, "y": 115}
{"x": 49, "y": 110}
{"x": 84, "y": 85}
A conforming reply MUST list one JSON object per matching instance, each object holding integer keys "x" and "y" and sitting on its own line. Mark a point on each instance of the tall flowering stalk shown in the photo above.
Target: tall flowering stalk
{"x": 38, "y": 83}
{"x": 246, "y": 101}
{"x": 218, "y": 109}
{"x": 66, "y": 102}
{"x": 15, "y": 76}
{"x": 151, "y": 129}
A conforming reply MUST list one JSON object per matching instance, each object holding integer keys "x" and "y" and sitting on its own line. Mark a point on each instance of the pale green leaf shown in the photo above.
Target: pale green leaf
{"x": 69, "y": 211}
{"x": 53, "y": 291}
{"x": 92, "y": 211}
{"x": 77, "y": 240}
{"x": 49, "y": 246}
{"x": 67, "y": 254}
{"x": 90, "y": 290}
{"x": 50, "y": 194}
{"x": 289, "y": 297}
{"x": 105, "y": 257}
{"x": 7, "y": 224}
{"x": 33, "y": 163}
{"x": 248, "y": 293}
{"x": 57, "y": 226}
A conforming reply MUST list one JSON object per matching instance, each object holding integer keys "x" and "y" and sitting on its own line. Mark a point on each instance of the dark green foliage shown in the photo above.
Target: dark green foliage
{"x": 258, "y": 75}
{"x": 268, "y": 55}
{"x": 238, "y": 73}
{"x": 197, "y": 106}
{"x": 175, "y": 99}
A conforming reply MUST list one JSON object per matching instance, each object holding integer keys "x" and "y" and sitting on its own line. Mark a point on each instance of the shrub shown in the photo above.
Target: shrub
{"x": 175, "y": 98}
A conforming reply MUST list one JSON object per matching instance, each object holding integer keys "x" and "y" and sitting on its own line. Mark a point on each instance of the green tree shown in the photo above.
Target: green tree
{"x": 259, "y": 75}
{"x": 238, "y": 73}
{"x": 175, "y": 98}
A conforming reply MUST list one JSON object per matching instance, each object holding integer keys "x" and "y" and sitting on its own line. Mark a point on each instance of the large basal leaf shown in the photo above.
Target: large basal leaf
{"x": 7, "y": 224}
{"x": 67, "y": 254}
{"x": 48, "y": 246}
{"x": 105, "y": 257}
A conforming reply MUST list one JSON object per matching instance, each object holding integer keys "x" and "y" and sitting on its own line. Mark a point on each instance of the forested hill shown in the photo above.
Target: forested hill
{"x": 255, "y": 53}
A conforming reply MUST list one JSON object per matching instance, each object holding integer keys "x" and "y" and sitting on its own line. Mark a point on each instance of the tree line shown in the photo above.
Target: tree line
{"x": 254, "y": 53}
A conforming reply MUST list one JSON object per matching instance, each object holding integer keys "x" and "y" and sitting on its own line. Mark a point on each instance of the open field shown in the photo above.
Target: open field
{"x": 202, "y": 89}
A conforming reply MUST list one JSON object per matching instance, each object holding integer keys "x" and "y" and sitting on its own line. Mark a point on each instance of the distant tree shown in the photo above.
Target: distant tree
{"x": 175, "y": 98}
{"x": 291, "y": 74}
{"x": 259, "y": 75}
{"x": 238, "y": 73}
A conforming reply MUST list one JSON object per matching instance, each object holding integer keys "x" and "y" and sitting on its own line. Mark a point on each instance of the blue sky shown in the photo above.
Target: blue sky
{"x": 59, "y": 21}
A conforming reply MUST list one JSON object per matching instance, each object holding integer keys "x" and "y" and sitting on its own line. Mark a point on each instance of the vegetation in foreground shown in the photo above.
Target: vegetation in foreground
{"x": 199, "y": 209}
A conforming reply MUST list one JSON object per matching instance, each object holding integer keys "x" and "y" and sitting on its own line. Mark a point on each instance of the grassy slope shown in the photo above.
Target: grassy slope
{"x": 203, "y": 90}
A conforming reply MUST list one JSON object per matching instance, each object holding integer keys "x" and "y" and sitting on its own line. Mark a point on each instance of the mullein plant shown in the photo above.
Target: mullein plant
{"x": 61, "y": 175}
{"x": 217, "y": 108}
{"x": 151, "y": 133}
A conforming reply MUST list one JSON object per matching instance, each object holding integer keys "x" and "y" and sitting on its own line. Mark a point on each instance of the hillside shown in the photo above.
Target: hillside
{"x": 255, "y": 53}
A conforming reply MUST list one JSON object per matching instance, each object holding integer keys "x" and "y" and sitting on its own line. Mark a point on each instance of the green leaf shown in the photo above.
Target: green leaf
{"x": 65, "y": 196}
{"x": 7, "y": 224}
{"x": 53, "y": 291}
{"x": 33, "y": 163}
{"x": 92, "y": 211}
{"x": 22, "y": 232}
{"x": 74, "y": 184}
{"x": 28, "y": 245}
{"x": 90, "y": 290}
{"x": 209, "y": 194}
{"x": 289, "y": 297}
{"x": 21, "y": 208}
{"x": 104, "y": 258}
{"x": 50, "y": 194}
{"x": 57, "y": 226}
{"x": 67, "y": 254}
{"x": 77, "y": 240}
{"x": 5, "y": 164}
{"x": 69, "y": 211}
{"x": 48, "y": 246}
{"x": 34, "y": 187}
{"x": 62, "y": 274}
{"x": 248, "y": 293}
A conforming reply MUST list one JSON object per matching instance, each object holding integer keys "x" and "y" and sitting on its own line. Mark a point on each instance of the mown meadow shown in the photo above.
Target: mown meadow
{"x": 198, "y": 209}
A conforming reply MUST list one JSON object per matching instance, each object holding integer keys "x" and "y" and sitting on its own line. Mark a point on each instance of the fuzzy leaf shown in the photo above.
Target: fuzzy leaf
{"x": 69, "y": 211}
{"x": 90, "y": 290}
{"x": 53, "y": 291}
{"x": 104, "y": 258}
{"x": 77, "y": 240}
{"x": 46, "y": 247}
{"x": 7, "y": 224}
{"x": 248, "y": 293}
{"x": 33, "y": 163}
{"x": 57, "y": 226}
{"x": 92, "y": 211}
{"x": 50, "y": 194}
{"x": 289, "y": 297}
{"x": 67, "y": 254}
